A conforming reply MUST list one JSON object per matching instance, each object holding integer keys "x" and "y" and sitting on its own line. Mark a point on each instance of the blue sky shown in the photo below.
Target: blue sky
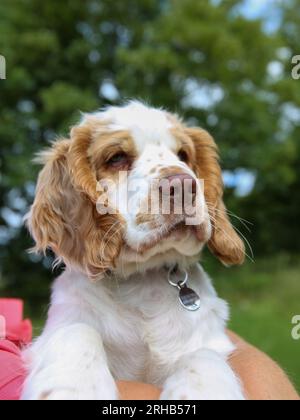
{"x": 256, "y": 8}
{"x": 267, "y": 9}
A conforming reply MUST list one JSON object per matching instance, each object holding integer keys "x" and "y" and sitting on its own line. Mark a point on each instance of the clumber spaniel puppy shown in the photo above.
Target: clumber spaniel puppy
{"x": 127, "y": 203}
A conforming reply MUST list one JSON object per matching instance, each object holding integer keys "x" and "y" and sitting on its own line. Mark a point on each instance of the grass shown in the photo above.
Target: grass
{"x": 264, "y": 297}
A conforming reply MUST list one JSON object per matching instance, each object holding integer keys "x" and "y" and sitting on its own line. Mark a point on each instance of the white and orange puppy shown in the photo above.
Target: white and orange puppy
{"x": 114, "y": 313}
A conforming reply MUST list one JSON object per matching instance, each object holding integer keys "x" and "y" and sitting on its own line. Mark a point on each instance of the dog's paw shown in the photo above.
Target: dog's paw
{"x": 193, "y": 387}
{"x": 203, "y": 375}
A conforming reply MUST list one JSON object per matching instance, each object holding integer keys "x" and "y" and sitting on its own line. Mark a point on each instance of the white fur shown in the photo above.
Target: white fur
{"x": 131, "y": 326}
{"x": 147, "y": 125}
{"x": 133, "y": 329}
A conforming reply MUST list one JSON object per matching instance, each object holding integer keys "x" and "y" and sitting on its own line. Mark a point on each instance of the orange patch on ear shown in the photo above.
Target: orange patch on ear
{"x": 82, "y": 176}
{"x": 225, "y": 243}
{"x": 64, "y": 215}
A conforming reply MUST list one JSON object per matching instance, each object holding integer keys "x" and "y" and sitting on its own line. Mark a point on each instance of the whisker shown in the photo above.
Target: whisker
{"x": 212, "y": 206}
{"x": 245, "y": 224}
{"x": 242, "y": 235}
{"x": 246, "y": 240}
{"x": 235, "y": 243}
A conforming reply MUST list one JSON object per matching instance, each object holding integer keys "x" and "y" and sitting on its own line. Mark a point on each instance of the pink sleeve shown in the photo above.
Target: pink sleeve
{"x": 12, "y": 371}
{"x": 14, "y": 334}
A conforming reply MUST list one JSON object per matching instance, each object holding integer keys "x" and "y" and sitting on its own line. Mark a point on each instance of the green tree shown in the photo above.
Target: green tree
{"x": 275, "y": 202}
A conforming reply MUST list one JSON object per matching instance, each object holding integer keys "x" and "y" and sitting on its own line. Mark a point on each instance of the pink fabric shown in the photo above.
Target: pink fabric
{"x": 14, "y": 334}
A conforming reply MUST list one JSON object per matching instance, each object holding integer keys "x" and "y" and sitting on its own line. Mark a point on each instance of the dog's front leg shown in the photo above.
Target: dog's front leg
{"x": 69, "y": 364}
{"x": 203, "y": 375}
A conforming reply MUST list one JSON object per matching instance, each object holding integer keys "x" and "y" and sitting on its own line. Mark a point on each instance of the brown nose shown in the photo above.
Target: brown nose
{"x": 184, "y": 182}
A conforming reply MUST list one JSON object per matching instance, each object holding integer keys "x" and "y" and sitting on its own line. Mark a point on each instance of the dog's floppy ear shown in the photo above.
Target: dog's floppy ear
{"x": 47, "y": 219}
{"x": 64, "y": 217}
{"x": 83, "y": 178}
{"x": 225, "y": 242}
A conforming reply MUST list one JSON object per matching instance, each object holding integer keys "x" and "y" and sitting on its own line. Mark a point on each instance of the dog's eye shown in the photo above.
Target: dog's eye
{"x": 183, "y": 156}
{"x": 119, "y": 160}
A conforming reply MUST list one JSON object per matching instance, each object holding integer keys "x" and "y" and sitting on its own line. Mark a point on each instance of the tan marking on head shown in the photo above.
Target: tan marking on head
{"x": 143, "y": 218}
{"x": 184, "y": 143}
{"x": 106, "y": 145}
{"x": 80, "y": 169}
{"x": 170, "y": 171}
{"x": 155, "y": 170}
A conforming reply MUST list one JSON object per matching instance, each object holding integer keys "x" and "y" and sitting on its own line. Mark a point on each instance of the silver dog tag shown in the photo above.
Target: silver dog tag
{"x": 189, "y": 299}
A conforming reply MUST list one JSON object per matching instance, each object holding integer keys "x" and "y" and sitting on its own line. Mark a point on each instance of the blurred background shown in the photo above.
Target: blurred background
{"x": 224, "y": 65}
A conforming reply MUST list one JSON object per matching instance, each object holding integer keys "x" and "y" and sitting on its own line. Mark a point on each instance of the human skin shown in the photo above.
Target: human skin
{"x": 261, "y": 378}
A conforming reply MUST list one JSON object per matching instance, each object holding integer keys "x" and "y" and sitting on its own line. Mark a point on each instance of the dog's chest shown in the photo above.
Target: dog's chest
{"x": 150, "y": 324}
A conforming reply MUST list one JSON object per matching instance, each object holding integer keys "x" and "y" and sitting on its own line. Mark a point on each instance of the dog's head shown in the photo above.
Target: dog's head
{"x": 132, "y": 187}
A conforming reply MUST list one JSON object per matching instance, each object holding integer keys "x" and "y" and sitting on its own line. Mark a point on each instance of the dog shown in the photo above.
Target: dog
{"x": 133, "y": 302}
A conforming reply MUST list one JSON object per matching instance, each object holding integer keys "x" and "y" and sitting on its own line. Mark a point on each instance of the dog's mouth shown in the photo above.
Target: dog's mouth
{"x": 173, "y": 232}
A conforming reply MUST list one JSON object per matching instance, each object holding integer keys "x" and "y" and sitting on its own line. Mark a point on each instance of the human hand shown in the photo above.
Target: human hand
{"x": 262, "y": 378}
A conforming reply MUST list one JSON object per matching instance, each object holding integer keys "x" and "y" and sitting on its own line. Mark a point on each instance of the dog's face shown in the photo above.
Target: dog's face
{"x": 132, "y": 187}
